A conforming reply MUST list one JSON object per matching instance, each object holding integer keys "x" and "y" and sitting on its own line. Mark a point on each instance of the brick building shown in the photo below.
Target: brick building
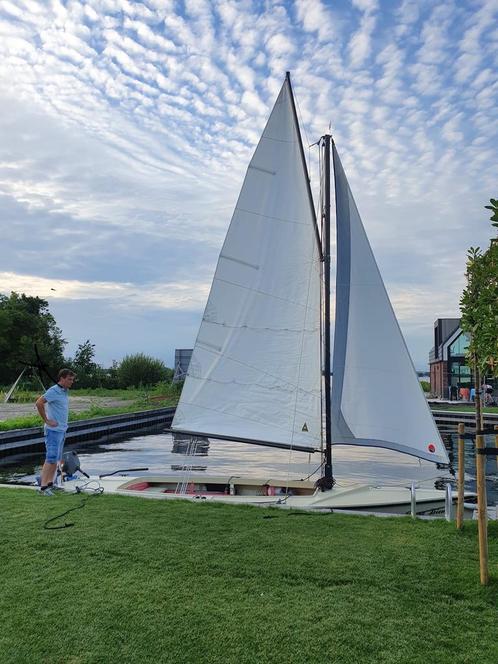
{"x": 448, "y": 365}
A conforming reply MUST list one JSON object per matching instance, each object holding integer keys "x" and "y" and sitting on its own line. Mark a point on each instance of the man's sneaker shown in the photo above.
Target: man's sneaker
{"x": 57, "y": 489}
{"x": 46, "y": 492}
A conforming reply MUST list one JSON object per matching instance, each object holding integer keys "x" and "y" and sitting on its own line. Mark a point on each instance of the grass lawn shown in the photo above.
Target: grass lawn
{"x": 465, "y": 408}
{"x": 164, "y": 395}
{"x": 145, "y": 581}
{"x": 135, "y": 393}
{"x": 28, "y": 421}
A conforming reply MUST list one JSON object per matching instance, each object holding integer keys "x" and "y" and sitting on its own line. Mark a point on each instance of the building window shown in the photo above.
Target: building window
{"x": 459, "y": 346}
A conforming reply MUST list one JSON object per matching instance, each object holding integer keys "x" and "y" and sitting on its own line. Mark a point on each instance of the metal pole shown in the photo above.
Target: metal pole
{"x": 413, "y": 501}
{"x": 448, "y": 503}
{"x": 326, "y": 308}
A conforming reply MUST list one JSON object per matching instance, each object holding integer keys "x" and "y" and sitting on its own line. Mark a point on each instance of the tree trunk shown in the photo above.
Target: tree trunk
{"x": 478, "y": 386}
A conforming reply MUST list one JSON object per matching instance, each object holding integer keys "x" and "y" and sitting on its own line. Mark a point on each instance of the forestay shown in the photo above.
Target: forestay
{"x": 255, "y": 368}
{"x": 376, "y": 395}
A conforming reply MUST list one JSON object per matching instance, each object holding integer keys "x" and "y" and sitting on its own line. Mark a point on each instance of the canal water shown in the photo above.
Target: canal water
{"x": 160, "y": 454}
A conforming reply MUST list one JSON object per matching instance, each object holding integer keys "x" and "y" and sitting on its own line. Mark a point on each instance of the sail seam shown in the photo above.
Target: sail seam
{"x": 256, "y": 290}
{"x": 259, "y": 329}
{"x": 259, "y": 370}
{"x": 263, "y": 170}
{"x": 238, "y": 417}
{"x": 241, "y": 262}
{"x": 291, "y": 389}
{"x": 206, "y": 344}
{"x": 267, "y": 216}
{"x": 277, "y": 140}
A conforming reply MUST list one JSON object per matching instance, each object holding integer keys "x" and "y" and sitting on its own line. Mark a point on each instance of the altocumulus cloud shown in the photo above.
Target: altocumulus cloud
{"x": 126, "y": 128}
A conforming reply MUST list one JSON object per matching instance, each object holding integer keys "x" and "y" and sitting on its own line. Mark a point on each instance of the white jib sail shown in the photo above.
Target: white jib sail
{"x": 255, "y": 368}
{"x": 376, "y": 395}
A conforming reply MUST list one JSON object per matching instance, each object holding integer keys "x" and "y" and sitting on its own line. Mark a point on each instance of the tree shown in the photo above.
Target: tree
{"x": 494, "y": 209}
{"x": 26, "y": 322}
{"x": 84, "y": 357}
{"x": 140, "y": 369}
{"x": 479, "y": 309}
{"x": 89, "y": 373}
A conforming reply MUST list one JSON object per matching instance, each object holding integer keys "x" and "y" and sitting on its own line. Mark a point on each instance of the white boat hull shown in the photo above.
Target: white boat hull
{"x": 267, "y": 492}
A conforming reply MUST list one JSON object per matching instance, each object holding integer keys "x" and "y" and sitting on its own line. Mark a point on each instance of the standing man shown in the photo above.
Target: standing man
{"x": 53, "y": 407}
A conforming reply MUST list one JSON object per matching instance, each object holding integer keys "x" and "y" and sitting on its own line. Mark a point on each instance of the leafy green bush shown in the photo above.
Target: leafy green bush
{"x": 141, "y": 370}
{"x": 426, "y": 386}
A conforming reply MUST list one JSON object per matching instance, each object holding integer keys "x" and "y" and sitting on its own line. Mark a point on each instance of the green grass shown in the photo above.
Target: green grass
{"x": 464, "y": 408}
{"x": 165, "y": 389}
{"x": 28, "y": 396}
{"x": 28, "y": 421}
{"x": 146, "y": 581}
{"x": 162, "y": 396}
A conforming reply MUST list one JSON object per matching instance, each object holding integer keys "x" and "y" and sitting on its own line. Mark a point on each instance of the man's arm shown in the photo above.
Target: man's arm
{"x": 40, "y": 407}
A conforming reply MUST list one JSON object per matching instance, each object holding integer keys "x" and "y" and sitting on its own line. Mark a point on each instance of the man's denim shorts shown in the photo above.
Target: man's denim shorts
{"x": 54, "y": 442}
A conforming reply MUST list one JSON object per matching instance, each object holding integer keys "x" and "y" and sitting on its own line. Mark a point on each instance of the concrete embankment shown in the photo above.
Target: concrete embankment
{"x": 25, "y": 442}
{"x": 449, "y": 419}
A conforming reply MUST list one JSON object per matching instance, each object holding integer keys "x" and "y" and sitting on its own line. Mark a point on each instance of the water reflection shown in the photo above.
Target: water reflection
{"x": 351, "y": 464}
{"x": 190, "y": 445}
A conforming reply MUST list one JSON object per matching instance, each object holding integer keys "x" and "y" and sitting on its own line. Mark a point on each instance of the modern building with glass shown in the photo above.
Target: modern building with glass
{"x": 451, "y": 376}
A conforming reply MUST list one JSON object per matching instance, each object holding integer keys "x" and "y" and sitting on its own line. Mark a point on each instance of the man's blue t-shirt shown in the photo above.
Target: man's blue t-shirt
{"x": 57, "y": 407}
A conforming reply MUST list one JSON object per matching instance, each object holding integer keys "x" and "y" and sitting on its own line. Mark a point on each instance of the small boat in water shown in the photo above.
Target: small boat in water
{"x": 262, "y": 370}
{"x": 296, "y": 494}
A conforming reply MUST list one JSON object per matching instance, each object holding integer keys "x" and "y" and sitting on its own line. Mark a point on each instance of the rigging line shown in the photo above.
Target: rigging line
{"x": 308, "y": 309}
{"x": 303, "y": 479}
{"x": 302, "y": 125}
{"x": 39, "y": 366}
{"x": 42, "y": 366}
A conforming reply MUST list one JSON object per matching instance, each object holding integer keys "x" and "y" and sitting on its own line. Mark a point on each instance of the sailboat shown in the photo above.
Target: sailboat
{"x": 260, "y": 371}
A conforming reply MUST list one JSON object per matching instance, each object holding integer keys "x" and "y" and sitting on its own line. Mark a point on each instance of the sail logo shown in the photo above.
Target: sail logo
{"x": 431, "y": 447}
{"x": 305, "y": 427}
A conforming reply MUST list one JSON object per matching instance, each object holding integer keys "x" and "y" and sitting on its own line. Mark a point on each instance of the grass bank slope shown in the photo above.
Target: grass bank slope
{"x": 146, "y": 581}
{"x": 164, "y": 395}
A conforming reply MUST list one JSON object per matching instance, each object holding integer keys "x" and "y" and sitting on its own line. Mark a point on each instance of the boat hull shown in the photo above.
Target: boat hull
{"x": 273, "y": 493}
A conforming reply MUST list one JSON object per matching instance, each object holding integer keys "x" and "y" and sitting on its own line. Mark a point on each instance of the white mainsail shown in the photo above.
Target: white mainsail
{"x": 255, "y": 371}
{"x": 376, "y": 396}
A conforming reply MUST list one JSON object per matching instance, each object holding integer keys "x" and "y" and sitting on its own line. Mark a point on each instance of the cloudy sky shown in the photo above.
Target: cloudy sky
{"x": 126, "y": 128}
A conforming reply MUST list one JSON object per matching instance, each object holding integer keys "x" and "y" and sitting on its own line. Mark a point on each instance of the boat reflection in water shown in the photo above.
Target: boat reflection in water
{"x": 189, "y": 446}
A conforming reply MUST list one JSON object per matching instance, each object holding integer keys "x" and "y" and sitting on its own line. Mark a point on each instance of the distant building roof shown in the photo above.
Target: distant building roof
{"x": 182, "y": 361}
{"x": 446, "y": 330}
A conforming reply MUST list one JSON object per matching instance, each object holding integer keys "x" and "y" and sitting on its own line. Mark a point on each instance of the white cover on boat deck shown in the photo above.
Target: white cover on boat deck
{"x": 376, "y": 395}
{"x": 255, "y": 368}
